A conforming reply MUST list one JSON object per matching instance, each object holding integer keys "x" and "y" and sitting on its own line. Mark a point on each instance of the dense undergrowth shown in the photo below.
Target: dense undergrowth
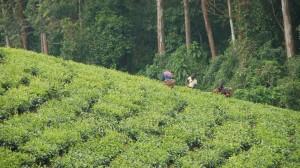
{"x": 257, "y": 72}
{"x": 57, "y": 113}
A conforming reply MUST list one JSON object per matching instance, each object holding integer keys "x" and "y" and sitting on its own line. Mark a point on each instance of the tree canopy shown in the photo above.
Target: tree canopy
{"x": 253, "y": 46}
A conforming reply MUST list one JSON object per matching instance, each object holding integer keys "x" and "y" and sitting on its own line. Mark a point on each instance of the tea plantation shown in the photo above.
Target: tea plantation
{"x": 56, "y": 113}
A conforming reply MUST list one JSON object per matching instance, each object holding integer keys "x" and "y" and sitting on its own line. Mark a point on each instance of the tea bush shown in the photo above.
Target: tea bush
{"x": 57, "y": 113}
{"x": 2, "y": 56}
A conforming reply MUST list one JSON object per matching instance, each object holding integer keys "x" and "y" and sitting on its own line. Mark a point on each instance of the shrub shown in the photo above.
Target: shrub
{"x": 268, "y": 73}
{"x": 6, "y": 85}
{"x": 2, "y": 91}
{"x": 227, "y": 68}
{"x": 270, "y": 53}
{"x": 10, "y": 159}
{"x": 137, "y": 122}
{"x": 51, "y": 143}
{"x": 183, "y": 62}
{"x": 25, "y": 81}
{"x": 95, "y": 152}
{"x": 34, "y": 71}
{"x": 289, "y": 90}
{"x": 258, "y": 156}
{"x": 209, "y": 77}
{"x": 259, "y": 94}
{"x": 254, "y": 75}
{"x": 2, "y": 57}
{"x": 293, "y": 68}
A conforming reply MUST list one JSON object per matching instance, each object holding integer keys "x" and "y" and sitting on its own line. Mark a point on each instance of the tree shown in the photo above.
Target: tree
{"x": 204, "y": 6}
{"x": 44, "y": 43}
{"x": 9, "y": 24}
{"x": 230, "y": 21}
{"x": 37, "y": 12}
{"x": 43, "y": 36}
{"x": 187, "y": 23}
{"x": 288, "y": 35}
{"x": 5, "y": 18}
{"x": 79, "y": 14}
{"x": 160, "y": 27}
{"x": 23, "y": 23}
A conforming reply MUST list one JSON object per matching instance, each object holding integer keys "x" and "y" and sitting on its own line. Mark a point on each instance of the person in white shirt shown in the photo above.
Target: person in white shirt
{"x": 191, "y": 81}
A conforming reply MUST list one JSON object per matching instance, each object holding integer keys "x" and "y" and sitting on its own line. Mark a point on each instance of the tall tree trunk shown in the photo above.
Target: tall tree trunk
{"x": 288, "y": 35}
{"x": 44, "y": 43}
{"x": 7, "y": 44}
{"x": 160, "y": 27}
{"x": 187, "y": 23}
{"x": 22, "y": 21}
{"x": 204, "y": 6}
{"x": 231, "y": 22}
{"x": 79, "y": 14}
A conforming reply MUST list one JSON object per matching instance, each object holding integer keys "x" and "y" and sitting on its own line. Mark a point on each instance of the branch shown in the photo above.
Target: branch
{"x": 274, "y": 14}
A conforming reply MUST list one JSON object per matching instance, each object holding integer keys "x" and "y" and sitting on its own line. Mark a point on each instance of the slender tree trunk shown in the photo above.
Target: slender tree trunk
{"x": 204, "y": 6}
{"x": 288, "y": 35}
{"x": 21, "y": 16}
{"x": 7, "y": 43}
{"x": 160, "y": 27}
{"x": 231, "y": 22}
{"x": 79, "y": 14}
{"x": 187, "y": 23}
{"x": 44, "y": 43}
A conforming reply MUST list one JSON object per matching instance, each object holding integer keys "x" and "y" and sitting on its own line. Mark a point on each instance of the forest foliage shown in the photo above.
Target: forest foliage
{"x": 122, "y": 34}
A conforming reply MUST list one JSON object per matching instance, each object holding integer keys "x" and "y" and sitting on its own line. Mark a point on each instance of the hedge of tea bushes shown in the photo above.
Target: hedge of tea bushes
{"x": 94, "y": 152}
{"x": 57, "y": 113}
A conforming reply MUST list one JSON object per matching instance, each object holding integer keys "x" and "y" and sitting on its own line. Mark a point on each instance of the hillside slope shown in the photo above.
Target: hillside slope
{"x": 63, "y": 114}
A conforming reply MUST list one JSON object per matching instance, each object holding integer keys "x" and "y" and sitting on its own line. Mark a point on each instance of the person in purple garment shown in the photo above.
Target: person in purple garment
{"x": 168, "y": 78}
